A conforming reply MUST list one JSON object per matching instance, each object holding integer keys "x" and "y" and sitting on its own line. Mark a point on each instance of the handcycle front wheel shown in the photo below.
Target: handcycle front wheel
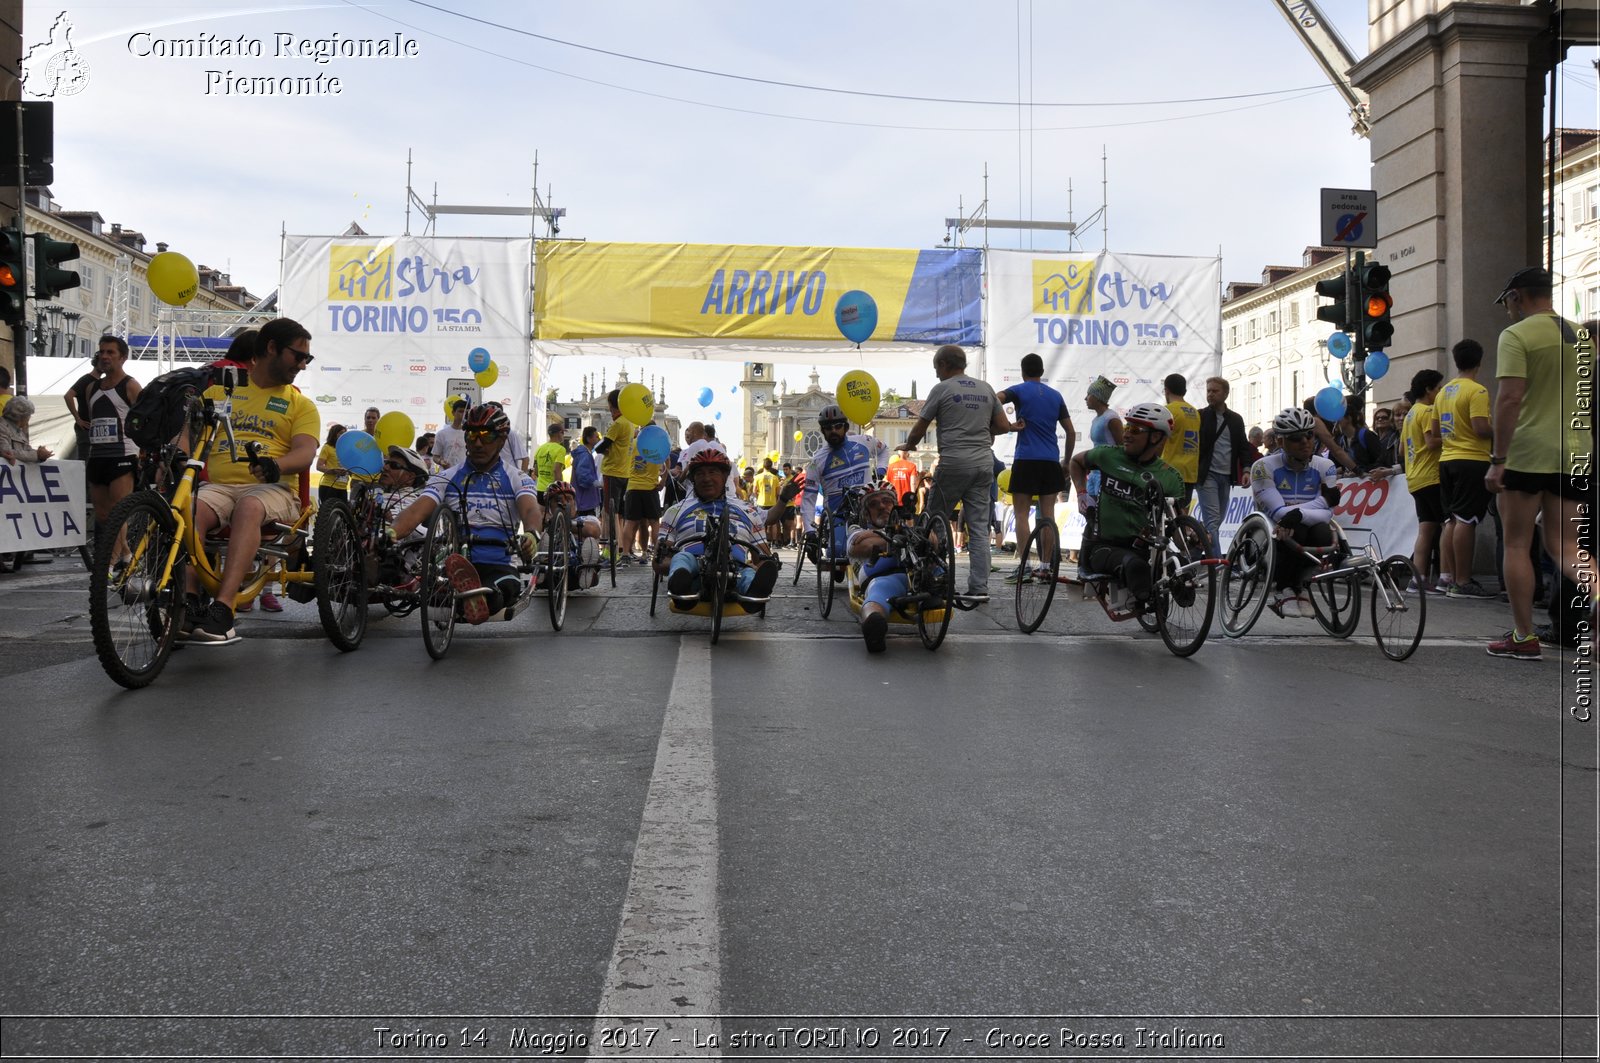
{"x": 1398, "y": 617}
{"x": 1185, "y": 589}
{"x": 936, "y": 580}
{"x": 558, "y": 553}
{"x": 716, "y": 575}
{"x": 824, "y": 566}
{"x": 1337, "y": 603}
{"x": 1038, "y": 565}
{"x": 340, "y": 582}
{"x": 1247, "y": 575}
{"x": 438, "y": 605}
{"x": 133, "y": 613}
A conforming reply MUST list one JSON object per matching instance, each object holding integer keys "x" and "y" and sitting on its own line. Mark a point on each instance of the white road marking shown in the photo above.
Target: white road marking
{"x": 665, "y": 966}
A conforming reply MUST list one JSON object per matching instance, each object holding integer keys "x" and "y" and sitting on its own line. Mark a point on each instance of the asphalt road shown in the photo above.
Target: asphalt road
{"x": 1284, "y": 846}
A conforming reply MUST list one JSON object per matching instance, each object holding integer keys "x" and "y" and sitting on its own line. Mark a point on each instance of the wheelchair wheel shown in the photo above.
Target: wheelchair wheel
{"x": 438, "y": 605}
{"x": 799, "y": 559}
{"x": 557, "y": 567}
{"x": 1247, "y": 576}
{"x": 1337, "y": 603}
{"x": 1037, "y": 567}
{"x": 715, "y": 576}
{"x": 1398, "y": 617}
{"x": 133, "y": 614}
{"x": 655, "y": 591}
{"x": 341, "y": 580}
{"x": 1185, "y": 588}
{"x": 936, "y": 578}
{"x": 824, "y": 567}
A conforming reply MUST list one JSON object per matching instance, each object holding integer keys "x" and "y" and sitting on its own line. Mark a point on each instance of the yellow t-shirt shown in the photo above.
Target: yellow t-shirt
{"x": 5, "y": 400}
{"x": 1458, "y": 403}
{"x": 1422, "y": 464}
{"x": 1552, "y": 435}
{"x": 269, "y": 416}
{"x": 767, "y": 488}
{"x": 1182, "y": 451}
{"x": 645, "y": 475}
{"x": 618, "y": 461}
{"x": 336, "y": 475}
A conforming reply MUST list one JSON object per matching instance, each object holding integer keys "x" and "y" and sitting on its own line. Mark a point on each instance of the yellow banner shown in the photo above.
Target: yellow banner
{"x": 588, "y": 290}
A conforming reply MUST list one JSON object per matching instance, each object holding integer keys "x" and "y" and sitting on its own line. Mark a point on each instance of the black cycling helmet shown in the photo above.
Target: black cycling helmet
{"x": 831, "y": 415}
{"x": 489, "y": 417}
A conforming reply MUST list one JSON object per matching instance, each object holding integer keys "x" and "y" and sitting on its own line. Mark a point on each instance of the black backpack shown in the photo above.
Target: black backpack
{"x": 158, "y": 416}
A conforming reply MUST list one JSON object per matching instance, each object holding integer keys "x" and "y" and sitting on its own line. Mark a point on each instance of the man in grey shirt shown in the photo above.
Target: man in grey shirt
{"x": 969, "y": 417}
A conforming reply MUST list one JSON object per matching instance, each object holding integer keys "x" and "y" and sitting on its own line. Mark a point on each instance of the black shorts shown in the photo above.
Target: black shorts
{"x": 1429, "y": 503}
{"x": 790, "y": 512}
{"x": 327, "y": 491}
{"x": 1461, "y": 486}
{"x": 1576, "y": 488}
{"x": 103, "y": 471}
{"x": 642, "y": 505}
{"x": 617, "y": 492}
{"x": 1037, "y": 478}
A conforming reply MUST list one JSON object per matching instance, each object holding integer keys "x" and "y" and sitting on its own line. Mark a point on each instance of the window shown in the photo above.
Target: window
{"x": 86, "y": 272}
{"x": 135, "y": 299}
{"x": 1253, "y": 403}
{"x": 1294, "y": 315}
{"x": 1592, "y": 304}
{"x": 1272, "y": 322}
{"x": 1591, "y": 206}
{"x": 1294, "y": 389}
{"x": 1255, "y": 326}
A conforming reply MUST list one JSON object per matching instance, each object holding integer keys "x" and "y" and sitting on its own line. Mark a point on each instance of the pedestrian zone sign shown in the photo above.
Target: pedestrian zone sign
{"x": 1349, "y": 217}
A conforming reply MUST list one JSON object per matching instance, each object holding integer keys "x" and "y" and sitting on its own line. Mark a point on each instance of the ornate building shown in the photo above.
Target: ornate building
{"x": 773, "y": 413}
{"x": 590, "y": 408}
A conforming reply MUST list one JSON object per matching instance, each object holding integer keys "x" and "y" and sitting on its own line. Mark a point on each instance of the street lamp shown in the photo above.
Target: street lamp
{"x": 71, "y": 332}
{"x": 52, "y": 322}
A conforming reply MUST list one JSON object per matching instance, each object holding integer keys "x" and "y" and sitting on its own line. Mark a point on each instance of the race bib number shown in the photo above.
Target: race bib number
{"x": 105, "y": 430}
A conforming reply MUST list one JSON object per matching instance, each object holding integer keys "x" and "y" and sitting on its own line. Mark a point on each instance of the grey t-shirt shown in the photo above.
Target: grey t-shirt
{"x": 1222, "y": 454}
{"x": 962, "y": 409}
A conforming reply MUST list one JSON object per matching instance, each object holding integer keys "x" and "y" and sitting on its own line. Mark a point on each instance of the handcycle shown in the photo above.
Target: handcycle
{"x": 149, "y": 542}
{"x": 719, "y": 573}
{"x": 817, "y": 544}
{"x": 926, "y": 554}
{"x": 1399, "y": 606}
{"x": 1182, "y": 579}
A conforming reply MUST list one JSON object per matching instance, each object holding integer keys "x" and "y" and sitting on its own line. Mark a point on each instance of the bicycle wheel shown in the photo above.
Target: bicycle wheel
{"x": 133, "y": 613}
{"x": 1185, "y": 588}
{"x": 1398, "y": 617}
{"x": 558, "y": 553}
{"x": 824, "y": 566}
{"x": 936, "y": 578}
{"x": 1337, "y": 603}
{"x": 438, "y": 604}
{"x": 341, "y": 575}
{"x": 1037, "y": 568}
{"x": 799, "y": 559}
{"x": 1247, "y": 576}
{"x": 716, "y": 572}
{"x": 609, "y": 533}
{"x": 655, "y": 590}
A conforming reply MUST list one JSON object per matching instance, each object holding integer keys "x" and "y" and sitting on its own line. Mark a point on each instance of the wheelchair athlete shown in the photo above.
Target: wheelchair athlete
{"x": 839, "y": 463}
{"x": 878, "y": 572}
{"x": 680, "y": 542}
{"x": 1297, "y": 490}
{"x": 583, "y": 569}
{"x": 404, "y": 474}
{"x": 490, "y": 495}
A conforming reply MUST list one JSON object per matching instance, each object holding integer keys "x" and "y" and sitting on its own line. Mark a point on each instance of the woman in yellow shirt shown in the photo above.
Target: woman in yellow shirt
{"x": 335, "y": 477}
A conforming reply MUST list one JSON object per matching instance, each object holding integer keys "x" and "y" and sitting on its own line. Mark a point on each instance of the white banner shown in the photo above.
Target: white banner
{"x": 1377, "y": 511}
{"x": 42, "y": 505}
{"x": 392, "y": 319}
{"x": 1131, "y": 318}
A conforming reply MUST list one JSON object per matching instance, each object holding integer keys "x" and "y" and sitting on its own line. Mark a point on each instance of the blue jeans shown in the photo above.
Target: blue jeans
{"x": 1214, "y": 488}
{"x": 684, "y": 560}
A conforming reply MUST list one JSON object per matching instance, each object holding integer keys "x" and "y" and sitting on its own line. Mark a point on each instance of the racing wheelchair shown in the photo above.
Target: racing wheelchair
{"x": 1341, "y": 575}
{"x": 150, "y": 540}
{"x": 818, "y": 545}
{"x": 926, "y": 553}
{"x": 718, "y": 597}
{"x": 1182, "y": 579}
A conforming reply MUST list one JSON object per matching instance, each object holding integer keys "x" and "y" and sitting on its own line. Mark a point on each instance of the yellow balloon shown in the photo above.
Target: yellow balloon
{"x": 858, "y": 396}
{"x": 394, "y": 429}
{"x": 798, "y": 435}
{"x": 173, "y": 278}
{"x": 1004, "y": 480}
{"x": 637, "y": 404}
{"x": 488, "y": 376}
{"x": 449, "y": 401}
{"x": 773, "y": 455}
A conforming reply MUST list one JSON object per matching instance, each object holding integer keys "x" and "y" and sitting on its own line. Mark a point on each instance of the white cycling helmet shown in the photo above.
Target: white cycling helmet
{"x": 1151, "y": 415}
{"x": 1293, "y": 420}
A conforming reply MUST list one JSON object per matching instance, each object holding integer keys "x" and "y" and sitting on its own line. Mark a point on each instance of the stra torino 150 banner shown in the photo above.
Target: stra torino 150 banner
{"x": 750, "y": 293}
{"x": 1131, "y": 318}
{"x": 393, "y": 321}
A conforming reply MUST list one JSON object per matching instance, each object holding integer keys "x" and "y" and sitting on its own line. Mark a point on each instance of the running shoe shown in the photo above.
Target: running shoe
{"x": 216, "y": 628}
{"x": 1018, "y": 577}
{"x": 1470, "y": 589}
{"x": 1516, "y": 647}
{"x": 463, "y": 578}
{"x": 875, "y": 629}
{"x": 270, "y": 603}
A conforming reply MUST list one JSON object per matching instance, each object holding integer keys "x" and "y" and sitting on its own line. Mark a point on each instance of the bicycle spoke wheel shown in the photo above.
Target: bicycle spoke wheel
{"x": 341, "y": 580}
{"x": 1247, "y": 576}
{"x": 655, "y": 592}
{"x": 824, "y": 567}
{"x": 1337, "y": 603}
{"x": 558, "y": 552}
{"x": 438, "y": 606}
{"x": 799, "y": 560}
{"x": 133, "y": 612}
{"x": 1398, "y": 616}
{"x": 1037, "y": 567}
{"x": 1185, "y": 588}
{"x": 716, "y": 572}
{"x": 936, "y": 579}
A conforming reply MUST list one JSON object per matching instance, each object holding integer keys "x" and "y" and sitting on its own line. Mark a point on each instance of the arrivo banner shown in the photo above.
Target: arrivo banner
{"x": 1377, "y": 511}
{"x": 394, "y": 319}
{"x": 706, "y": 291}
{"x": 42, "y": 505}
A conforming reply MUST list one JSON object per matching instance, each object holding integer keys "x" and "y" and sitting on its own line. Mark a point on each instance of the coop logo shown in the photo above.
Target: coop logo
{"x": 367, "y": 287}
{"x": 1063, "y": 287}
{"x": 419, "y": 367}
{"x": 1362, "y": 499}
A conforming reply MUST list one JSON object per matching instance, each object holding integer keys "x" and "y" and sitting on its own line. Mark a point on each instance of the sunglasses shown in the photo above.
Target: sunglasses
{"x": 303, "y": 357}
{"x": 481, "y": 436}
{"x": 395, "y": 465}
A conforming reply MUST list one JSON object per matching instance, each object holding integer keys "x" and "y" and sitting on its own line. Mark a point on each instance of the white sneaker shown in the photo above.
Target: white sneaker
{"x": 1284, "y": 603}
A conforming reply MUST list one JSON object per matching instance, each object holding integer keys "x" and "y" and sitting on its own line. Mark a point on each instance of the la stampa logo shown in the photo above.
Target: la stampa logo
{"x": 55, "y": 68}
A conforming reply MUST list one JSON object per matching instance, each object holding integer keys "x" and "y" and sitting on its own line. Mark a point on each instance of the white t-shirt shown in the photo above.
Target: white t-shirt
{"x": 449, "y": 447}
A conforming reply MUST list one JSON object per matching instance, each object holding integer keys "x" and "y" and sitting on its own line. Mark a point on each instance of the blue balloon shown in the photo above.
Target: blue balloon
{"x": 653, "y": 444}
{"x": 1376, "y": 365}
{"x": 705, "y": 396}
{"x": 1339, "y": 344}
{"x": 719, "y": 415}
{"x": 1330, "y": 403}
{"x": 478, "y": 360}
{"x": 734, "y": 390}
{"x": 359, "y": 452}
{"x": 856, "y": 314}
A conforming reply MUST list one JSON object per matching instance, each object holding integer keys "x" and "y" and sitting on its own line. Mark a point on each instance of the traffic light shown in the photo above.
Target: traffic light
{"x": 1376, "y": 328}
{"x": 1339, "y": 289}
{"x": 13, "y": 296}
{"x": 49, "y": 279}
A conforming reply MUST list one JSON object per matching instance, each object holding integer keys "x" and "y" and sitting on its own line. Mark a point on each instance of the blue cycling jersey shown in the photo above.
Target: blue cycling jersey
{"x": 1279, "y": 488}
{"x": 832, "y": 471}
{"x": 489, "y": 500}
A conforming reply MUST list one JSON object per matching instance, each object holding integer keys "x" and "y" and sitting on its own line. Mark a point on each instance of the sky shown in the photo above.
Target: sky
{"x": 660, "y": 123}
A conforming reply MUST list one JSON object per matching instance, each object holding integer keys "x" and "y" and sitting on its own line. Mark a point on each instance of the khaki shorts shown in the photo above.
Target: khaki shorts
{"x": 280, "y": 502}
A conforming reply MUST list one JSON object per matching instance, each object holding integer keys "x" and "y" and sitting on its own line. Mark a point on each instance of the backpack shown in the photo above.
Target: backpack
{"x": 158, "y": 416}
